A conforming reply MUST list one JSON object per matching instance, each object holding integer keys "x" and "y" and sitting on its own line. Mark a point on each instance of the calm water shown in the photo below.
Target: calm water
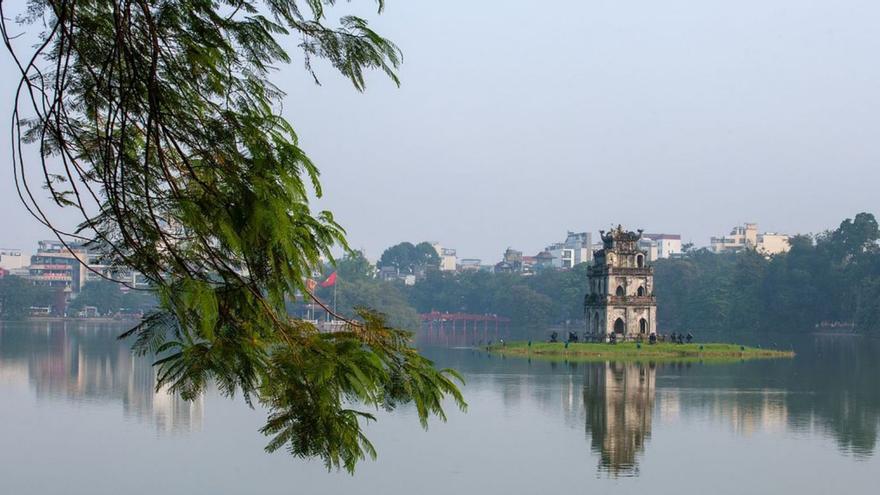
{"x": 78, "y": 414}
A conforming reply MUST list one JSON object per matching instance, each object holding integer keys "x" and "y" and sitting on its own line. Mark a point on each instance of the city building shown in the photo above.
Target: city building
{"x": 746, "y": 236}
{"x": 650, "y": 248}
{"x": 667, "y": 245}
{"x": 448, "y": 260}
{"x": 528, "y": 264}
{"x": 544, "y": 260}
{"x": 512, "y": 262}
{"x": 577, "y": 248}
{"x": 620, "y": 297}
{"x": 11, "y": 259}
{"x": 469, "y": 264}
{"x": 58, "y": 266}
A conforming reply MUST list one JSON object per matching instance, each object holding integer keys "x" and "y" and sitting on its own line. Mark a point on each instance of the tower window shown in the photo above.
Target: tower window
{"x": 620, "y": 292}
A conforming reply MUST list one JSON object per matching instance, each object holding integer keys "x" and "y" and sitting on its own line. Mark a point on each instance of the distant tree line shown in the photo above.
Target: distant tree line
{"x": 19, "y": 295}
{"x": 833, "y": 278}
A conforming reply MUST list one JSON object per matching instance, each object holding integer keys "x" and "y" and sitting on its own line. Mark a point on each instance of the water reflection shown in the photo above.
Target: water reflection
{"x": 608, "y": 415}
{"x": 83, "y": 362}
{"x": 619, "y": 406}
{"x": 828, "y": 392}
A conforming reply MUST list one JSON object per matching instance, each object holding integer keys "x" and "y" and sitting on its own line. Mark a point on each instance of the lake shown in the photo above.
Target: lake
{"x": 78, "y": 414}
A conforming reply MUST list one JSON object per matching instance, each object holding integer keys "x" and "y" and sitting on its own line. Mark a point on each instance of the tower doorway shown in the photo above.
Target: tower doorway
{"x": 643, "y": 326}
{"x": 619, "y": 326}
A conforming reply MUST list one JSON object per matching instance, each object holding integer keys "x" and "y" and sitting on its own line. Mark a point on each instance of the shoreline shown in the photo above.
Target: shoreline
{"x": 72, "y": 319}
{"x": 592, "y": 351}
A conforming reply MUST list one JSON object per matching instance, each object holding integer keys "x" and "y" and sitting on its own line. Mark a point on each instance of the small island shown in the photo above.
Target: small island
{"x": 597, "y": 351}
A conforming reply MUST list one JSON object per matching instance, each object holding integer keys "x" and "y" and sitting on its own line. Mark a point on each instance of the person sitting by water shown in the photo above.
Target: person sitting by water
{"x": 652, "y": 339}
{"x": 680, "y": 339}
{"x": 690, "y": 337}
{"x": 672, "y": 337}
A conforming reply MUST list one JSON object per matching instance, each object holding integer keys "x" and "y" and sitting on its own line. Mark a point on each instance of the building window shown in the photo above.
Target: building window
{"x": 620, "y": 292}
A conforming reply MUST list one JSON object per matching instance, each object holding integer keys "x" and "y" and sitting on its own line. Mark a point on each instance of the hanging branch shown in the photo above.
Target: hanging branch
{"x": 156, "y": 122}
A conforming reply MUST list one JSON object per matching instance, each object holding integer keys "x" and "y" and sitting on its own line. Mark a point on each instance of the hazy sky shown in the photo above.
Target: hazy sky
{"x": 517, "y": 121}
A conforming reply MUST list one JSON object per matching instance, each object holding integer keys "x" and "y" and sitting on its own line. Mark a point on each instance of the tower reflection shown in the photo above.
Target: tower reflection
{"x": 619, "y": 404}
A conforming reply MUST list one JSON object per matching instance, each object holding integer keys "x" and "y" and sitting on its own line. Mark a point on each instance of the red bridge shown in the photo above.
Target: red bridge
{"x": 452, "y": 328}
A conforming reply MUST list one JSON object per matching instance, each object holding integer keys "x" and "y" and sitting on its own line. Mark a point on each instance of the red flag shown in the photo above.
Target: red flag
{"x": 311, "y": 284}
{"x": 331, "y": 280}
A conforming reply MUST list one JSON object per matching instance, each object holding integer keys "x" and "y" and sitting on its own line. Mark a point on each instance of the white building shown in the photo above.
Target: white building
{"x": 746, "y": 236}
{"x": 448, "y": 258}
{"x": 11, "y": 259}
{"x": 576, "y": 249}
{"x": 661, "y": 245}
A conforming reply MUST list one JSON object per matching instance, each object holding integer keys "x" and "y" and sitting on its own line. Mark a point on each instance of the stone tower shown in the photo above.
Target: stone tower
{"x": 620, "y": 297}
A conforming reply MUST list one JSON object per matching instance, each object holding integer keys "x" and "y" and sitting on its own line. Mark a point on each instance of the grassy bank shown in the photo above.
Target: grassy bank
{"x": 631, "y": 351}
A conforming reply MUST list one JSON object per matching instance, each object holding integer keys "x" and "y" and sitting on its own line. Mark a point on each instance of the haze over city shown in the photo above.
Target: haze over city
{"x": 514, "y": 125}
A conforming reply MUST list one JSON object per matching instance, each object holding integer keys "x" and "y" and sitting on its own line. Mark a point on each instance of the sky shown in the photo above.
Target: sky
{"x": 517, "y": 121}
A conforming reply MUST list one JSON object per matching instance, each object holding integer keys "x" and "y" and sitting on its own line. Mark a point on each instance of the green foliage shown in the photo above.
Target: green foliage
{"x": 833, "y": 277}
{"x": 594, "y": 351}
{"x": 354, "y": 266}
{"x": 546, "y": 298}
{"x": 353, "y": 294}
{"x": 157, "y": 122}
{"x": 104, "y": 295}
{"x": 409, "y": 259}
{"x": 17, "y": 295}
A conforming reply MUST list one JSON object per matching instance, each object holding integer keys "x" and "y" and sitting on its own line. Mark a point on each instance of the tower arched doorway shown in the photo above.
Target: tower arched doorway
{"x": 640, "y": 261}
{"x": 641, "y": 291}
{"x": 620, "y": 291}
{"x": 619, "y": 326}
{"x": 643, "y": 326}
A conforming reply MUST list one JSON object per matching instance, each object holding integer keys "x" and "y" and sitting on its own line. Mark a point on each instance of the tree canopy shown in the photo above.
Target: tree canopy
{"x": 830, "y": 277}
{"x": 157, "y": 122}
{"x": 17, "y": 295}
{"x": 409, "y": 258}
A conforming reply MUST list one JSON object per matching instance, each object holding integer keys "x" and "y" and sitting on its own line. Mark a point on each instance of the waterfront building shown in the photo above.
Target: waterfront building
{"x": 59, "y": 266}
{"x": 743, "y": 237}
{"x": 620, "y": 297}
